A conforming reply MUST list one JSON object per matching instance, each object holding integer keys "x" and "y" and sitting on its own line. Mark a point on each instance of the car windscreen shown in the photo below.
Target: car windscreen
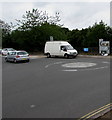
{"x": 69, "y": 47}
{"x": 12, "y": 53}
{"x": 10, "y": 49}
{"x": 22, "y": 53}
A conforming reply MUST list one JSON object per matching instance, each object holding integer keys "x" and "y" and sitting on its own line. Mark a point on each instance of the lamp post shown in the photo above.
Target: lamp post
{"x": 111, "y": 14}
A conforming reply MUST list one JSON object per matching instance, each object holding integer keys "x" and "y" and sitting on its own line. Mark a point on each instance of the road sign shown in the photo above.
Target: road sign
{"x": 51, "y": 38}
{"x": 104, "y": 47}
{"x": 86, "y": 49}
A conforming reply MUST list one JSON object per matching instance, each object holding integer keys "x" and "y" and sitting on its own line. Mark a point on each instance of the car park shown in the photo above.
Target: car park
{"x": 17, "y": 56}
{"x": 5, "y": 51}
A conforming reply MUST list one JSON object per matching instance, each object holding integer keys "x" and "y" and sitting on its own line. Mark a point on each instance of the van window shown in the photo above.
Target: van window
{"x": 69, "y": 47}
{"x": 63, "y": 47}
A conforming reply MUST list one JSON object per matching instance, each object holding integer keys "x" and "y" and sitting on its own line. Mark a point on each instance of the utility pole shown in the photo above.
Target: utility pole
{"x": 111, "y": 14}
{"x": 51, "y": 38}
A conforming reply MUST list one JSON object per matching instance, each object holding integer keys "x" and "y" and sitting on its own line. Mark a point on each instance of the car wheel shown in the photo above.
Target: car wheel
{"x": 28, "y": 61}
{"x": 66, "y": 56}
{"x": 48, "y": 55}
{"x": 15, "y": 61}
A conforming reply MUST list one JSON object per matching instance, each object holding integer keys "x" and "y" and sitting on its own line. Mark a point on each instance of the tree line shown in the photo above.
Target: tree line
{"x": 36, "y": 27}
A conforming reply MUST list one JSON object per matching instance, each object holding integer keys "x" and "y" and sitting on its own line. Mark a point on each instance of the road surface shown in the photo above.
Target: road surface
{"x": 55, "y": 87}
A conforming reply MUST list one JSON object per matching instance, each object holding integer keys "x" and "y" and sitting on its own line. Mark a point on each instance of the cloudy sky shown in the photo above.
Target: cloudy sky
{"x": 74, "y": 13}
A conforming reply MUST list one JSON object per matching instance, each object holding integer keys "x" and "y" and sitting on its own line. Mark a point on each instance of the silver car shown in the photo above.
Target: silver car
{"x": 17, "y": 56}
{"x": 5, "y": 51}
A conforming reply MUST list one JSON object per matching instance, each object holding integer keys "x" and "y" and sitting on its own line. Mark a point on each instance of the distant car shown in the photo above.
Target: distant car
{"x": 17, "y": 56}
{"x": 5, "y": 51}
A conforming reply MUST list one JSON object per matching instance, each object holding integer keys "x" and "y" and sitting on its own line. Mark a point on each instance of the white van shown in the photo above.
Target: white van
{"x": 59, "y": 48}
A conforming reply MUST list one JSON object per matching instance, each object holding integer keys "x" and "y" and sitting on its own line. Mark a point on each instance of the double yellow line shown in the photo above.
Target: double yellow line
{"x": 95, "y": 112}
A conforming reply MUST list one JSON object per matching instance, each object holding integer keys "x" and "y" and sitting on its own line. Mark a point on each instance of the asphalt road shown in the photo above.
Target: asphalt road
{"x": 55, "y": 87}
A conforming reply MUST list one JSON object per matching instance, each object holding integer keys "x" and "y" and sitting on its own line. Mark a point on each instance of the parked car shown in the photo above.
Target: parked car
{"x": 5, "y": 51}
{"x": 17, "y": 56}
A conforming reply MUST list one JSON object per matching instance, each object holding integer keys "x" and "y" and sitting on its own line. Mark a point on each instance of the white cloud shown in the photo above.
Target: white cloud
{"x": 0, "y": 10}
{"x": 80, "y": 14}
{"x": 55, "y": 0}
{"x": 12, "y": 11}
{"x": 73, "y": 14}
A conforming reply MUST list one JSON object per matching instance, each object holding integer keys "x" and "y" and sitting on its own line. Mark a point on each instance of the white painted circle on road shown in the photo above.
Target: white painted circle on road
{"x": 79, "y": 65}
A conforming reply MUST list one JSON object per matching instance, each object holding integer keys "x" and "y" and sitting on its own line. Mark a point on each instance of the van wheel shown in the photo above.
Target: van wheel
{"x": 48, "y": 55}
{"x": 66, "y": 56}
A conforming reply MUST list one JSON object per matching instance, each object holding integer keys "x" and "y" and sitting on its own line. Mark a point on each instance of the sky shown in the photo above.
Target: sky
{"x": 74, "y": 14}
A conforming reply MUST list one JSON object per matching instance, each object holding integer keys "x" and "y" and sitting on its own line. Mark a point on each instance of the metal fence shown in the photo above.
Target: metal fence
{"x": 91, "y": 50}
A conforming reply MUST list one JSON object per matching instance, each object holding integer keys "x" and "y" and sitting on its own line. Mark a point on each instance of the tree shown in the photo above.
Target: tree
{"x": 5, "y": 27}
{"x": 37, "y": 18}
{"x": 90, "y": 36}
{"x": 5, "y": 30}
{"x": 77, "y": 37}
{"x": 97, "y": 32}
{"x": 35, "y": 38}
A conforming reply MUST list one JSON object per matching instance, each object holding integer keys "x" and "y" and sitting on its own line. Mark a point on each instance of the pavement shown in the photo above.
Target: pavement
{"x": 106, "y": 116}
{"x": 95, "y": 56}
{"x": 103, "y": 113}
{"x": 80, "y": 55}
{"x": 36, "y": 56}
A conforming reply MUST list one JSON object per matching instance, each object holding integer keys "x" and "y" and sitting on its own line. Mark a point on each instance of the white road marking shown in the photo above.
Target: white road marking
{"x": 74, "y": 70}
{"x": 70, "y": 70}
{"x": 53, "y": 64}
{"x": 79, "y": 65}
{"x": 95, "y": 68}
{"x": 105, "y": 62}
{"x": 32, "y": 106}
